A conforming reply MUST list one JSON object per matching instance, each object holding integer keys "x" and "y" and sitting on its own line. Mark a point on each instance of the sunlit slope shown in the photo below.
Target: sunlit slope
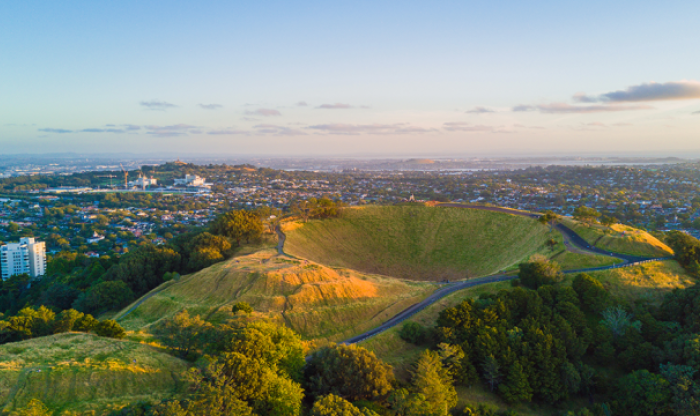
{"x": 619, "y": 238}
{"x": 314, "y": 300}
{"x": 76, "y": 373}
{"x": 418, "y": 242}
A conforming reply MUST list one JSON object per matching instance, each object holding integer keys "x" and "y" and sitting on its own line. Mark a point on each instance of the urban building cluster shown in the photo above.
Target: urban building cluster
{"x": 26, "y": 257}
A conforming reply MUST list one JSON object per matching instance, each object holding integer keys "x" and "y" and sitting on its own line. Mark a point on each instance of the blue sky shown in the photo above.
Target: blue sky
{"x": 350, "y": 78}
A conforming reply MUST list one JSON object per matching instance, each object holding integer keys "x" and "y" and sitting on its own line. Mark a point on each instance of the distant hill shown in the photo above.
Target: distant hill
{"x": 418, "y": 242}
{"x": 75, "y": 373}
{"x": 314, "y": 300}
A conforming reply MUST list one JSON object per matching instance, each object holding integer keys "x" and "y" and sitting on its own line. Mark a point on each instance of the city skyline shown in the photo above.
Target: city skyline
{"x": 370, "y": 78}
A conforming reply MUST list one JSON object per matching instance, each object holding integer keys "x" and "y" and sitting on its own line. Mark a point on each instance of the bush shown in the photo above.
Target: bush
{"x": 109, "y": 328}
{"x": 413, "y": 332}
{"x": 242, "y": 307}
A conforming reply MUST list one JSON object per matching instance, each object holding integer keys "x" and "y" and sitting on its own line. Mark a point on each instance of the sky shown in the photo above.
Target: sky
{"x": 355, "y": 78}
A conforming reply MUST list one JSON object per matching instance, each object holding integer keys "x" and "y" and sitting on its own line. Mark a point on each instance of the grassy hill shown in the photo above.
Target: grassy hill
{"x": 648, "y": 281}
{"x": 418, "y": 242}
{"x": 84, "y": 374}
{"x": 314, "y": 300}
{"x": 619, "y": 238}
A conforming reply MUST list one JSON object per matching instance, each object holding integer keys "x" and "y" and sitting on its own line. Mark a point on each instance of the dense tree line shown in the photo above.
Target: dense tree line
{"x": 97, "y": 285}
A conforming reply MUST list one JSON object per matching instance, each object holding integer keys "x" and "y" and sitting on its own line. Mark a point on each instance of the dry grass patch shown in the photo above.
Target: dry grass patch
{"x": 314, "y": 300}
{"x": 85, "y": 374}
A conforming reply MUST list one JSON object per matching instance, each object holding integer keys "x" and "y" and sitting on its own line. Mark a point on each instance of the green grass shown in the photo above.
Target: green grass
{"x": 314, "y": 300}
{"x": 418, "y": 242}
{"x": 84, "y": 374}
{"x": 619, "y": 239}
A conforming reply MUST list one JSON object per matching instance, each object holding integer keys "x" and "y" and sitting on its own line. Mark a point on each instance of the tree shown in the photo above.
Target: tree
{"x": 643, "y": 393}
{"x": 109, "y": 328}
{"x": 539, "y": 271}
{"x": 412, "y": 332}
{"x": 433, "y": 381}
{"x": 491, "y": 371}
{"x": 183, "y": 333}
{"x": 586, "y": 214}
{"x": 617, "y": 320}
{"x": 685, "y": 393}
{"x": 348, "y": 371}
{"x": 283, "y": 398}
{"x": 104, "y": 296}
{"x": 239, "y": 225}
{"x": 591, "y": 293}
{"x": 515, "y": 388}
{"x": 332, "y": 405}
{"x": 34, "y": 408}
{"x": 242, "y": 307}
{"x": 66, "y": 320}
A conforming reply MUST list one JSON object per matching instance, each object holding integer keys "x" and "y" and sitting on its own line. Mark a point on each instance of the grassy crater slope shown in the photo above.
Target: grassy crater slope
{"x": 418, "y": 242}
{"x": 80, "y": 373}
{"x": 619, "y": 238}
{"x": 314, "y": 300}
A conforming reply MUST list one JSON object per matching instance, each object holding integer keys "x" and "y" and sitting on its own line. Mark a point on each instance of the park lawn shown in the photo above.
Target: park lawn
{"x": 619, "y": 238}
{"x": 418, "y": 242}
{"x": 314, "y": 300}
{"x": 76, "y": 373}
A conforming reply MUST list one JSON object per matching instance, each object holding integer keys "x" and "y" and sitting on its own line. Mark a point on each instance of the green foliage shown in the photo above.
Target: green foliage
{"x": 432, "y": 380}
{"x": 238, "y": 225}
{"x": 104, "y": 296}
{"x": 538, "y": 272}
{"x": 617, "y": 320}
{"x": 242, "y": 307}
{"x": 332, "y": 405}
{"x": 515, "y": 387}
{"x": 687, "y": 251}
{"x": 413, "y": 332}
{"x": 183, "y": 333}
{"x": 348, "y": 371}
{"x": 643, "y": 393}
{"x": 143, "y": 269}
{"x": 591, "y": 293}
{"x": 109, "y": 328}
{"x": 586, "y": 214}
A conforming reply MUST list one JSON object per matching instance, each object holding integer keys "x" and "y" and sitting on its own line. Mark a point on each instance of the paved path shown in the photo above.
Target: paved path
{"x": 570, "y": 238}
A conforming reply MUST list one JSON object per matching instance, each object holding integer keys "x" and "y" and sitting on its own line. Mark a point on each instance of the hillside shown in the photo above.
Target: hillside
{"x": 75, "y": 373}
{"x": 418, "y": 242}
{"x": 619, "y": 238}
{"x": 649, "y": 281}
{"x": 314, "y": 300}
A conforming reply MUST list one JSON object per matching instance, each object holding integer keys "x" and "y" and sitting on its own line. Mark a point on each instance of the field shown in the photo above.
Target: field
{"x": 619, "y": 239}
{"x": 80, "y": 374}
{"x": 314, "y": 300}
{"x": 418, "y": 242}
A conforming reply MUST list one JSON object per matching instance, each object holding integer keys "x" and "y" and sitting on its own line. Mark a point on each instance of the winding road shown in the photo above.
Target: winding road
{"x": 571, "y": 239}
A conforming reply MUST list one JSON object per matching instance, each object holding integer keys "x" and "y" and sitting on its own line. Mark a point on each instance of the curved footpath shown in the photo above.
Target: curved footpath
{"x": 570, "y": 238}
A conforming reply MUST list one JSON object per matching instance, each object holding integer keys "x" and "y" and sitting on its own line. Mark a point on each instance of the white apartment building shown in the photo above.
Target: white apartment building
{"x": 191, "y": 180}
{"x": 27, "y": 256}
{"x": 143, "y": 182}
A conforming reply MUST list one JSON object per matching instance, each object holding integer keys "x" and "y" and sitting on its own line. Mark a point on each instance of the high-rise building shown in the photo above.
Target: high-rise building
{"x": 27, "y": 256}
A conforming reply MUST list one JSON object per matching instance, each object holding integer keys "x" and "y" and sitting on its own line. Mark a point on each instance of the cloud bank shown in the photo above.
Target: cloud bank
{"x": 652, "y": 91}
{"x": 210, "y": 106}
{"x": 480, "y": 110}
{"x": 157, "y": 105}
{"x": 60, "y": 131}
{"x": 564, "y": 108}
{"x": 336, "y": 106}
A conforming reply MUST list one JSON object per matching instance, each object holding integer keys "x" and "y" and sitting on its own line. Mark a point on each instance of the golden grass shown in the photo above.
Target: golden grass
{"x": 619, "y": 238}
{"x": 418, "y": 242}
{"x": 314, "y": 300}
{"x": 76, "y": 373}
{"x": 647, "y": 281}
